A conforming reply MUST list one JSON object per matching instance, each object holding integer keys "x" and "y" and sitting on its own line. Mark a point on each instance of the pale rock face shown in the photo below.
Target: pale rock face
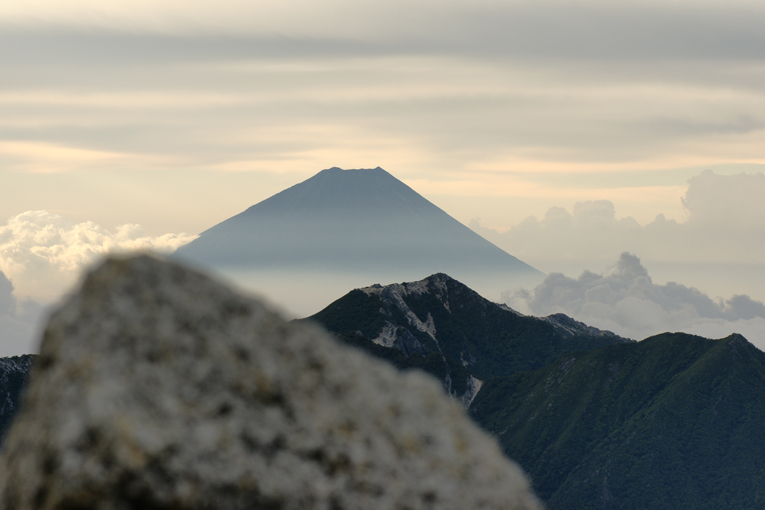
{"x": 158, "y": 388}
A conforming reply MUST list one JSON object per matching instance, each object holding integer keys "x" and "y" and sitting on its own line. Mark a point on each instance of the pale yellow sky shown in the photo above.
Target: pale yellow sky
{"x": 496, "y": 110}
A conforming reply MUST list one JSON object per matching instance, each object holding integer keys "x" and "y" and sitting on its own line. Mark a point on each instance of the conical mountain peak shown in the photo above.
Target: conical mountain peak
{"x": 337, "y": 192}
{"x": 363, "y": 221}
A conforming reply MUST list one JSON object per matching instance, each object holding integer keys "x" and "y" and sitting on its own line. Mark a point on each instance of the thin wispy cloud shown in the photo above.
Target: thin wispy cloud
{"x": 558, "y": 29}
{"x": 433, "y": 92}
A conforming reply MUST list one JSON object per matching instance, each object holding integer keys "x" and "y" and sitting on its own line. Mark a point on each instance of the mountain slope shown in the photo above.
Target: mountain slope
{"x": 673, "y": 421}
{"x": 440, "y": 315}
{"x": 14, "y": 374}
{"x": 363, "y": 221}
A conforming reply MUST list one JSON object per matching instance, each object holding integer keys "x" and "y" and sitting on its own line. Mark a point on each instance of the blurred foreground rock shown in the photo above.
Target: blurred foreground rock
{"x": 158, "y": 388}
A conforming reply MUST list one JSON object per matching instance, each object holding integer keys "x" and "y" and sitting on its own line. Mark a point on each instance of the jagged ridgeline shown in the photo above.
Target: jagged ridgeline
{"x": 159, "y": 388}
{"x": 674, "y": 421}
{"x": 597, "y": 421}
{"x": 440, "y": 325}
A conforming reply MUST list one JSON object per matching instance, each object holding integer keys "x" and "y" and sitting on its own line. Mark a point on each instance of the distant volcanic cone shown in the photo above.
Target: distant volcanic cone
{"x": 353, "y": 221}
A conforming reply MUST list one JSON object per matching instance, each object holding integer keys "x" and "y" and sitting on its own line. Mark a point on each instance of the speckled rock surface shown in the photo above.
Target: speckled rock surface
{"x": 159, "y": 388}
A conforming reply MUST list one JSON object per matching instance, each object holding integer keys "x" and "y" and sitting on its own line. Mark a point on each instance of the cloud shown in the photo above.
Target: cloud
{"x": 633, "y": 29}
{"x": 630, "y": 281}
{"x": 43, "y": 253}
{"x": 726, "y": 202}
{"x": 590, "y": 230}
{"x": 417, "y": 89}
{"x": 36, "y": 157}
{"x": 628, "y": 302}
{"x": 723, "y": 234}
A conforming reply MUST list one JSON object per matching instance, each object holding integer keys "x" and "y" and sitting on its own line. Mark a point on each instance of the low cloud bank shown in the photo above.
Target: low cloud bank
{"x": 627, "y": 302}
{"x": 719, "y": 248}
{"x": 43, "y": 253}
{"x": 725, "y": 224}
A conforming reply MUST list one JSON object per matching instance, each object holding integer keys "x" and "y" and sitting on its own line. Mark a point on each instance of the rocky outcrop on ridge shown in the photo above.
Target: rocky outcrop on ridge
{"x": 443, "y": 327}
{"x": 158, "y": 388}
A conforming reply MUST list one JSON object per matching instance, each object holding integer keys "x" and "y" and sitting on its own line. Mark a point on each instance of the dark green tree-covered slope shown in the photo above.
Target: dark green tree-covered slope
{"x": 439, "y": 318}
{"x": 674, "y": 421}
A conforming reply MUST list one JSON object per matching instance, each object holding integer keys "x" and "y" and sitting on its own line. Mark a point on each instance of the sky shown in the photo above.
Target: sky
{"x": 544, "y": 124}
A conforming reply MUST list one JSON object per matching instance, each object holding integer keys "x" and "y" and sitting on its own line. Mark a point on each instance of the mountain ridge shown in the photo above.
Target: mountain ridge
{"x": 476, "y": 338}
{"x": 597, "y": 421}
{"x": 675, "y": 413}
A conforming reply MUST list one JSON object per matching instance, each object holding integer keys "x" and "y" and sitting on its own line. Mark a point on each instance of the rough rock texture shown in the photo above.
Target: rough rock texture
{"x": 158, "y": 388}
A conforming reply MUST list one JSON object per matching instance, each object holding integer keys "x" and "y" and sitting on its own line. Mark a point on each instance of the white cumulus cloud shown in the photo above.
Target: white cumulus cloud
{"x": 43, "y": 253}
{"x": 628, "y": 302}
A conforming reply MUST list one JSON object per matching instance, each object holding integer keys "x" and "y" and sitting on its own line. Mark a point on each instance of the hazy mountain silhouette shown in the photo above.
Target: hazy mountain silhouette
{"x": 363, "y": 221}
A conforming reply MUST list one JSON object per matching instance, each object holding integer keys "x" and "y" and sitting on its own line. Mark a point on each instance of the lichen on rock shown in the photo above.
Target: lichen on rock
{"x": 159, "y": 388}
